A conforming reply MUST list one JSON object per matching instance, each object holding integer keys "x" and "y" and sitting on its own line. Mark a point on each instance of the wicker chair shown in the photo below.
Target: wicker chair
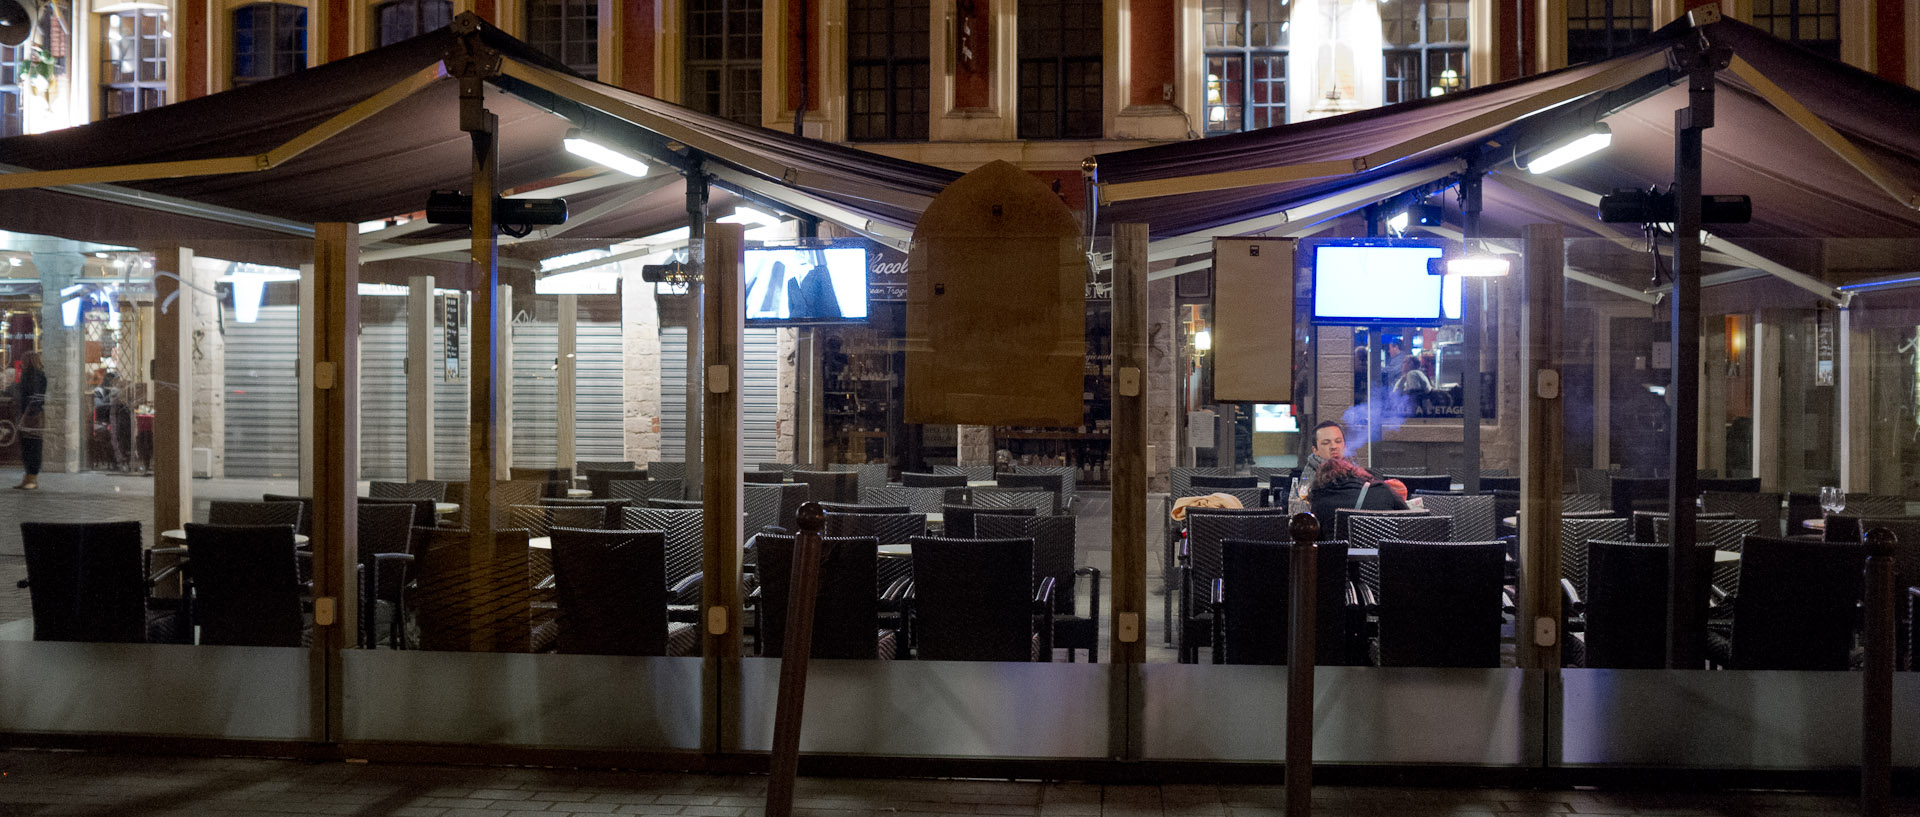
{"x": 610, "y": 587}
{"x": 1053, "y": 558}
{"x": 246, "y": 585}
{"x": 973, "y": 600}
{"x": 89, "y": 582}
{"x": 1440, "y": 603}
{"x": 846, "y": 617}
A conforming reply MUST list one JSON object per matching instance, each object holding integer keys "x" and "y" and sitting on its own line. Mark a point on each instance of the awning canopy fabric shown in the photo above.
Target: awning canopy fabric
{"x": 1800, "y": 185}
{"x": 368, "y": 137}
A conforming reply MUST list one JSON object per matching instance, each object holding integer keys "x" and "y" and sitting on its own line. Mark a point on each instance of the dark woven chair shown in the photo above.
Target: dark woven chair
{"x": 1797, "y": 606}
{"x": 686, "y": 532}
{"x": 1720, "y": 534}
{"x": 305, "y": 528}
{"x": 231, "y": 512}
{"x": 597, "y": 479}
{"x": 583, "y": 466}
{"x": 1424, "y": 482}
{"x": 1643, "y": 524}
{"x": 1054, "y": 484}
{"x": 518, "y": 492}
{"x": 846, "y": 614}
{"x": 540, "y": 520}
{"x": 1589, "y": 480}
{"x": 1489, "y": 483}
{"x": 830, "y": 486}
{"x": 888, "y": 528}
{"x": 612, "y": 510}
{"x": 1626, "y": 608}
{"x": 762, "y": 477}
{"x": 386, "y": 556}
{"x": 973, "y": 600}
{"x": 1875, "y": 505}
{"x": 1762, "y": 508}
{"x": 1180, "y": 480}
{"x": 1472, "y": 515}
{"x": 916, "y": 480}
{"x": 676, "y": 504}
{"x": 857, "y": 507}
{"x": 1631, "y": 494}
{"x": 89, "y": 583}
{"x": 246, "y": 585}
{"x": 1054, "y": 558}
{"x": 1201, "y": 560}
{"x": 456, "y": 493}
{"x": 1738, "y": 486}
{"x": 423, "y": 509}
{"x": 773, "y": 508}
{"x": 1366, "y": 530}
{"x": 998, "y": 498}
{"x": 554, "y": 481}
{"x": 611, "y": 592}
{"x": 973, "y": 473}
{"x": 1586, "y": 503}
{"x": 423, "y": 489}
{"x": 638, "y": 491}
{"x": 917, "y": 500}
{"x": 1252, "y": 604}
{"x": 1575, "y": 560}
{"x": 1802, "y": 507}
{"x": 960, "y": 520}
{"x": 1440, "y": 603}
{"x": 1342, "y": 527}
{"x": 1218, "y": 482}
{"x": 464, "y": 603}
{"x": 1906, "y": 564}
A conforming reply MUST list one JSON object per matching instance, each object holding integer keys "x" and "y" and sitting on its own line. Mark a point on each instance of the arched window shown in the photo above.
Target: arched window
{"x": 723, "y": 58}
{"x": 568, "y": 31}
{"x": 269, "y": 40}
{"x": 400, "y": 19}
{"x": 133, "y": 60}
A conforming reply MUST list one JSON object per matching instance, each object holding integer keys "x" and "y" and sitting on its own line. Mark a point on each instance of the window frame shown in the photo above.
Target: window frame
{"x": 1619, "y": 39}
{"x": 1795, "y": 17}
{"x": 231, "y": 29}
{"x": 1061, "y": 65}
{"x": 898, "y": 124}
{"x": 1247, "y": 54}
{"x": 162, "y": 55}
{"x": 420, "y": 18}
{"x": 736, "y": 92}
{"x": 1424, "y": 49}
{"x": 569, "y": 15}
{"x": 13, "y": 120}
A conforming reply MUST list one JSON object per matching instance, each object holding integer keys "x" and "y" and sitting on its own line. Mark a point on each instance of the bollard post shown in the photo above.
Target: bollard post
{"x": 1301, "y": 626}
{"x": 1876, "y": 698}
{"x": 803, "y": 586}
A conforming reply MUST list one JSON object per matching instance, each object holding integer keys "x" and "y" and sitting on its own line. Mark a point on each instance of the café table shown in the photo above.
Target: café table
{"x": 444, "y": 508}
{"x": 579, "y": 493}
{"x": 1815, "y": 524}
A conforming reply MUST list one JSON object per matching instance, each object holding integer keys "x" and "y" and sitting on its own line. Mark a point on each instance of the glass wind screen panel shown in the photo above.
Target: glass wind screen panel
{"x": 248, "y": 693}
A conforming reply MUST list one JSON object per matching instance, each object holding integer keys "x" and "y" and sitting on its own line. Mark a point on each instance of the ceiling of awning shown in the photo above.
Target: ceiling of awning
{"x": 1799, "y": 186}
{"x": 385, "y": 164}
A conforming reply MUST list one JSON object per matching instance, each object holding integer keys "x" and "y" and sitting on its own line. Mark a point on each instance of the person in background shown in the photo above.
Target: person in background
{"x": 29, "y": 401}
{"x": 1340, "y": 484}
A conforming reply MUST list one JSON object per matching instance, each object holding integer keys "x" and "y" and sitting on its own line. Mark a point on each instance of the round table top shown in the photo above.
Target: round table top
{"x": 1818, "y": 523}
{"x": 579, "y": 493}
{"x": 180, "y": 535}
{"x": 896, "y": 550}
{"x": 444, "y": 508}
{"x": 541, "y": 542}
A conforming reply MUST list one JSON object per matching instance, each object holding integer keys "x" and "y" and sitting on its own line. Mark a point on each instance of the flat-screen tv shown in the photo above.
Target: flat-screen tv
{"x": 806, "y": 285}
{"x": 1371, "y": 281}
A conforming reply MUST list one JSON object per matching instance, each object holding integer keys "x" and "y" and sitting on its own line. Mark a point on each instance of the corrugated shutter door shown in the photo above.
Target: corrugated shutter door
{"x": 599, "y": 389}
{"x": 535, "y": 399}
{"x": 383, "y": 399}
{"x": 759, "y": 394}
{"x": 263, "y": 394}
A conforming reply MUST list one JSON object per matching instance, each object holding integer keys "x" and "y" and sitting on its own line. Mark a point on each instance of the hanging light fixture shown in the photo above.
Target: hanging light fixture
{"x": 578, "y": 144}
{"x": 1571, "y": 148}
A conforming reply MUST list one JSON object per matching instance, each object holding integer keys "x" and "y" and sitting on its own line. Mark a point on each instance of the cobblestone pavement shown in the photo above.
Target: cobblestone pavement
{"x": 72, "y": 783}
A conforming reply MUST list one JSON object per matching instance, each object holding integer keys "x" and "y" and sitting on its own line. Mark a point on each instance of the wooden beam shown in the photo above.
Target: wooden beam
{"x": 1129, "y": 489}
{"x": 335, "y": 314}
{"x": 1541, "y": 435}
{"x": 724, "y": 334}
{"x": 172, "y": 389}
{"x": 420, "y": 369}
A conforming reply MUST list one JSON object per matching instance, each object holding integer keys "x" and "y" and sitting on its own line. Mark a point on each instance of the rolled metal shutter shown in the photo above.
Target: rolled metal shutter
{"x": 263, "y": 394}
{"x": 599, "y": 393}
{"x": 759, "y": 394}
{"x": 535, "y": 398}
{"x": 383, "y": 399}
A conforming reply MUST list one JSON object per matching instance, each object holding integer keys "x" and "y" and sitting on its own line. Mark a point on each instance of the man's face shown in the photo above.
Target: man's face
{"x": 1330, "y": 443}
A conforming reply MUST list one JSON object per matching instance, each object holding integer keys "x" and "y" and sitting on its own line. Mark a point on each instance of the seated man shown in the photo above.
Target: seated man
{"x": 1340, "y": 483}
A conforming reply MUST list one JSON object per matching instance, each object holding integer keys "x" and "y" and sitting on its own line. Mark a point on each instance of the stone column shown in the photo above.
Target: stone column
{"x": 69, "y": 402}
{"x": 421, "y": 305}
{"x": 640, "y": 360}
{"x": 209, "y": 350}
{"x": 976, "y": 446}
{"x": 787, "y": 401}
{"x": 1162, "y": 384}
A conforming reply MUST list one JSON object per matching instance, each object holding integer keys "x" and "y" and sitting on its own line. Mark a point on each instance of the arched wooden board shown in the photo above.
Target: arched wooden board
{"x": 996, "y": 305}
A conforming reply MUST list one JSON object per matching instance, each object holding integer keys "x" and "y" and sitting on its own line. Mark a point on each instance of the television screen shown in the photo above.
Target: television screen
{"x": 792, "y": 285}
{"x": 1381, "y": 282}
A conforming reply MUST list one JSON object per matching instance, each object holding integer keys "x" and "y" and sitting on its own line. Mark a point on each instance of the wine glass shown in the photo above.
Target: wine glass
{"x": 1831, "y": 500}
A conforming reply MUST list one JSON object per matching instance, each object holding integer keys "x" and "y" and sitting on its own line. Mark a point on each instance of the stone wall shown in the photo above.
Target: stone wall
{"x": 640, "y": 354}
{"x": 209, "y": 368}
{"x": 69, "y": 400}
{"x": 1162, "y": 395}
{"x": 784, "y": 426}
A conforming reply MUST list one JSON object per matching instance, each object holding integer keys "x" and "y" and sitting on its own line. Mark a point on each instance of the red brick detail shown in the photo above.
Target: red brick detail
{"x": 1890, "y": 21}
{"x": 796, "y": 29}
{"x": 1070, "y": 185}
{"x": 1150, "y": 40}
{"x": 488, "y": 10}
{"x": 637, "y": 45}
{"x": 972, "y": 79}
{"x": 192, "y": 31}
{"x": 339, "y": 30}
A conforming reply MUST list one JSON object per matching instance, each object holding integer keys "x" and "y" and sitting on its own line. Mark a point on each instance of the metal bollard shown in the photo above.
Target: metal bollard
{"x": 1876, "y": 695}
{"x": 784, "y": 765}
{"x": 1301, "y": 626}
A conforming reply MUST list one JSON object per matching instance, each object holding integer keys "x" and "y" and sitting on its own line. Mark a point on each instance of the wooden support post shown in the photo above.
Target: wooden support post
{"x": 485, "y": 366}
{"x": 1537, "y": 632}
{"x": 802, "y": 589}
{"x": 724, "y": 334}
{"x": 1876, "y": 696}
{"x": 420, "y": 376}
{"x": 566, "y": 416}
{"x": 1686, "y": 604}
{"x": 336, "y": 319}
{"x": 172, "y": 389}
{"x": 1301, "y": 629}
{"x": 1129, "y": 483}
